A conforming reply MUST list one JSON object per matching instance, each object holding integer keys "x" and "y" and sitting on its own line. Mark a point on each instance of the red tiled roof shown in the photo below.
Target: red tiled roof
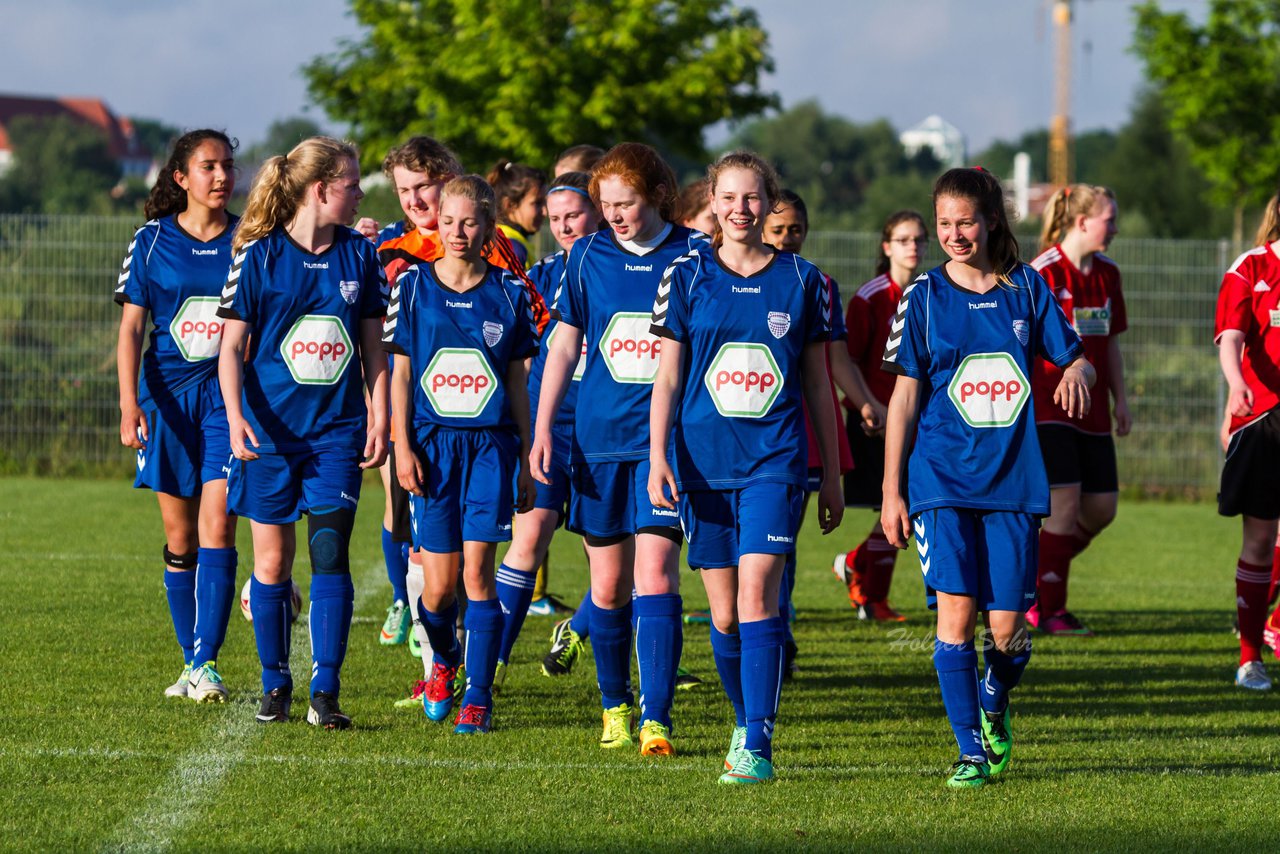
{"x": 119, "y": 132}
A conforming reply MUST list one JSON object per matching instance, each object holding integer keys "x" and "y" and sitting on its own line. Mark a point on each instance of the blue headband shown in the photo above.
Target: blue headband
{"x": 578, "y": 190}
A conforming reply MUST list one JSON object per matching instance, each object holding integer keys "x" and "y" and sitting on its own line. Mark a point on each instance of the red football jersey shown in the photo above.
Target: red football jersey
{"x": 870, "y": 313}
{"x": 1249, "y": 300}
{"x": 1094, "y": 304}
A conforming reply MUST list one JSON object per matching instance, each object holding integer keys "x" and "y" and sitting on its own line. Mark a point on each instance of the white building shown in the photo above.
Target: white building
{"x": 939, "y": 136}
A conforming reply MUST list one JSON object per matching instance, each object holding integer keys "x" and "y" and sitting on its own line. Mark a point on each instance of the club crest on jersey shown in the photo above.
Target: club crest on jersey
{"x": 492, "y": 332}
{"x": 349, "y": 291}
{"x": 779, "y": 323}
{"x": 1021, "y": 332}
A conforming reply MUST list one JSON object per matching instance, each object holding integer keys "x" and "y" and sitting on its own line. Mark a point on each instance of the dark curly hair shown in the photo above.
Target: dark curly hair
{"x": 167, "y": 198}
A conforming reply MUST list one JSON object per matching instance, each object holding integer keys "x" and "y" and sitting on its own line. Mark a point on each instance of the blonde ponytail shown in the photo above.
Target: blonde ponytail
{"x": 1065, "y": 205}
{"x": 281, "y": 185}
{"x": 1269, "y": 229}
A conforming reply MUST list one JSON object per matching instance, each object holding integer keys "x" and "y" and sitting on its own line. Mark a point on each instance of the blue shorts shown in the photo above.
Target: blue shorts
{"x": 987, "y": 554}
{"x": 468, "y": 494}
{"x": 722, "y": 525}
{"x": 612, "y": 499}
{"x": 276, "y": 489}
{"x": 556, "y": 496}
{"x": 189, "y": 442}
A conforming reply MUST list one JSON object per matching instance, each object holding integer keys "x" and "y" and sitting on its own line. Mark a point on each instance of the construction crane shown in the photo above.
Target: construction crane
{"x": 1060, "y": 125}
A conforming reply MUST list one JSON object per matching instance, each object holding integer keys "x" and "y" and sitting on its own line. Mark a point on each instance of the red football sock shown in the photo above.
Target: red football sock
{"x": 1252, "y": 583}
{"x": 1275, "y": 576}
{"x": 1056, "y": 551}
{"x": 881, "y": 556}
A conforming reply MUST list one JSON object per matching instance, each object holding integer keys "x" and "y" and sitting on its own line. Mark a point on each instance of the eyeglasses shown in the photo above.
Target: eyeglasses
{"x": 908, "y": 241}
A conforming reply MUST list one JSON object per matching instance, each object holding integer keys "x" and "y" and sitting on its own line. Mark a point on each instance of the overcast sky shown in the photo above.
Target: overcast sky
{"x": 985, "y": 65}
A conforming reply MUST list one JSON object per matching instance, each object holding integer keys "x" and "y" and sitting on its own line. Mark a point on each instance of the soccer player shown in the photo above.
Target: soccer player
{"x": 693, "y": 210}
{"x": 521, "y": 192}
{"x": 173, "y": 415}
{"x": 964, "y": 340}
{"x": 745, "y": 330}
{"x": 418, "y": 169}
{"x": 572, "y": 215}
{"x": 1248, "y": 352}
{"x": 611, "y": 279}
{"x": 461, "y": 330}
{"x": 1079, "y": 453}
{"x": 867, "y": 571}
{"x": 311, "y": 293}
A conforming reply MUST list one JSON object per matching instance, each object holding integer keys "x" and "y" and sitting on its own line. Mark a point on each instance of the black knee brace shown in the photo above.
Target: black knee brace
{"x": 329, "y": 539}
{"x": 600, "y": 542}
{"x": 179, "y": 562}
{"x": 666, "y": 531}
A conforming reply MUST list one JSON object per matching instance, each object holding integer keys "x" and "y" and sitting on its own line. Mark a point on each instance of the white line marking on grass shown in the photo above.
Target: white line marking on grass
{"x": 198, "y": 776}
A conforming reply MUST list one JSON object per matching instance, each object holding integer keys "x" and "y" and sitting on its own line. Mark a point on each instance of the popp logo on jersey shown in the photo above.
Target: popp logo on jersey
{"x": 581, "y": 364}
{"x": 989, "y": 390}
{"x": 630, "y": 350}
{"x": 458, "y": 383}
{"x": 317, "y": 349}
{"x": 744, "y": 380}
{"x": 197, "y": 329}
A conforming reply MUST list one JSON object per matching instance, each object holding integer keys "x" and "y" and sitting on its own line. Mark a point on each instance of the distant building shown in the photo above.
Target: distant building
{"x": 122, "y": 142}
{"x": 939, "y": 136}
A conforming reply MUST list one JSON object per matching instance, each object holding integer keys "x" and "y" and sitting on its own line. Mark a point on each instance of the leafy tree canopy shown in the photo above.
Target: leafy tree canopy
{"x": 59, "y": 166}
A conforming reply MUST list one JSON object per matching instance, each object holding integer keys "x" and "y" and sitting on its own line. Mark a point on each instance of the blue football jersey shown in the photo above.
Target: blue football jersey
{"x": 976, "y": 442}
{"x": 838, "y": 330}
{"x": 302, "y": 381}
{"x": 608, "y": 294}
{"x": 741, "y": 415}
{"x": 178, "y": 280}
{"x": 548, "y": 277}
{"x": 459, "y": 345}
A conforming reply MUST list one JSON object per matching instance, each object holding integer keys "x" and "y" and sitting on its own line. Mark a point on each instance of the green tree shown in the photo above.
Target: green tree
{"x": 59, "y": 166}
{"x": 1089, "y": 150}
{"x": 830, "y": 161}
{"x": 1221, "y": 84}
{"x": 282, "y": 136}
{"x": 155, "y": 136}
{"x": 527, "y": 78}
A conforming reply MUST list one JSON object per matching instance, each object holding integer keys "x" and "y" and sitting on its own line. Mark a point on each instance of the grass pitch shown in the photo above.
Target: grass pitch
{"x": 1136, "y": 739}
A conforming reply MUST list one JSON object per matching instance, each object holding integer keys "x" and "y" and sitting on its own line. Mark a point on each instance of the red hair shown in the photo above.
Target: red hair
{"x": 641, "y": 168}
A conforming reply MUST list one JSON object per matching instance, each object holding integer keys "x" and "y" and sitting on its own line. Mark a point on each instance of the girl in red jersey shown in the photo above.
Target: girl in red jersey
{"x": 1246, "y": 325}
{"x": 1079, "y": 453}
{"x": 522, "y": 200}
{"x": 867, "y": 571}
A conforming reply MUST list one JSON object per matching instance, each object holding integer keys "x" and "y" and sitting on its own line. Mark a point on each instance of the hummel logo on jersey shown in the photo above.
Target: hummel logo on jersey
{"x": 316, "y": 265}
{"x": 346, "y": 497}
{"x": 779, "y": 323}
{"x": 639, "y": 268}
{"x": 1021, "y": 332}
{"x": 1261, "y": 287}
{"x": 976, "y": 305}
{"x": 451, "y": 304}
{"x": 195, "y": 251}
{"x": 745, "y": 290}
{"x": 775, "y": 539}
{"x": 658, "y": 511}
{"x": 349, "y": 291}
{"x": 492, "y": 332}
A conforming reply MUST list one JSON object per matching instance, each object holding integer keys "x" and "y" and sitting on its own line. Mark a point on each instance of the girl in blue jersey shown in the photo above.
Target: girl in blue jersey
{"x": 962, "y": 344}
{"x": 611, "y": 278}
{"x": 311, "y": 293}
{"x": 745, "y": 330}
{"x": 571, "y": 215}
{"x": 174, "y": 416}
{"x": 462, "y": 329}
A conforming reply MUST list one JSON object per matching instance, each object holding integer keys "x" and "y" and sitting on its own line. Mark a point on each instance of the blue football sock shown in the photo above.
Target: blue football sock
{"x": 786, "y": 607}
{"x": 332, "y": 599}
{"x": 611, "y": 643}
{"x": 396, "y": 556}
{"x": 515, "y": 592}
{"x": 762, "y": 642}
{"x": 957, "y": 666}
{"x": 659, "y": 642}
{"x": 215, "y": 591}
{"x": 269, "y": 604}
{"x": 1004, "y": 672}
{"x": 180, "y": 588}
{"x": 580, "y": 622}
{"x": 441, "y": 629}
{"x": 484, "y": 624}
{"x": 727, "y": 651}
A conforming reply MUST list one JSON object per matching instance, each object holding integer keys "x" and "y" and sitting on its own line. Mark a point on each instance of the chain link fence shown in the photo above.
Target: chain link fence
{"x": 58, "y": 326}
